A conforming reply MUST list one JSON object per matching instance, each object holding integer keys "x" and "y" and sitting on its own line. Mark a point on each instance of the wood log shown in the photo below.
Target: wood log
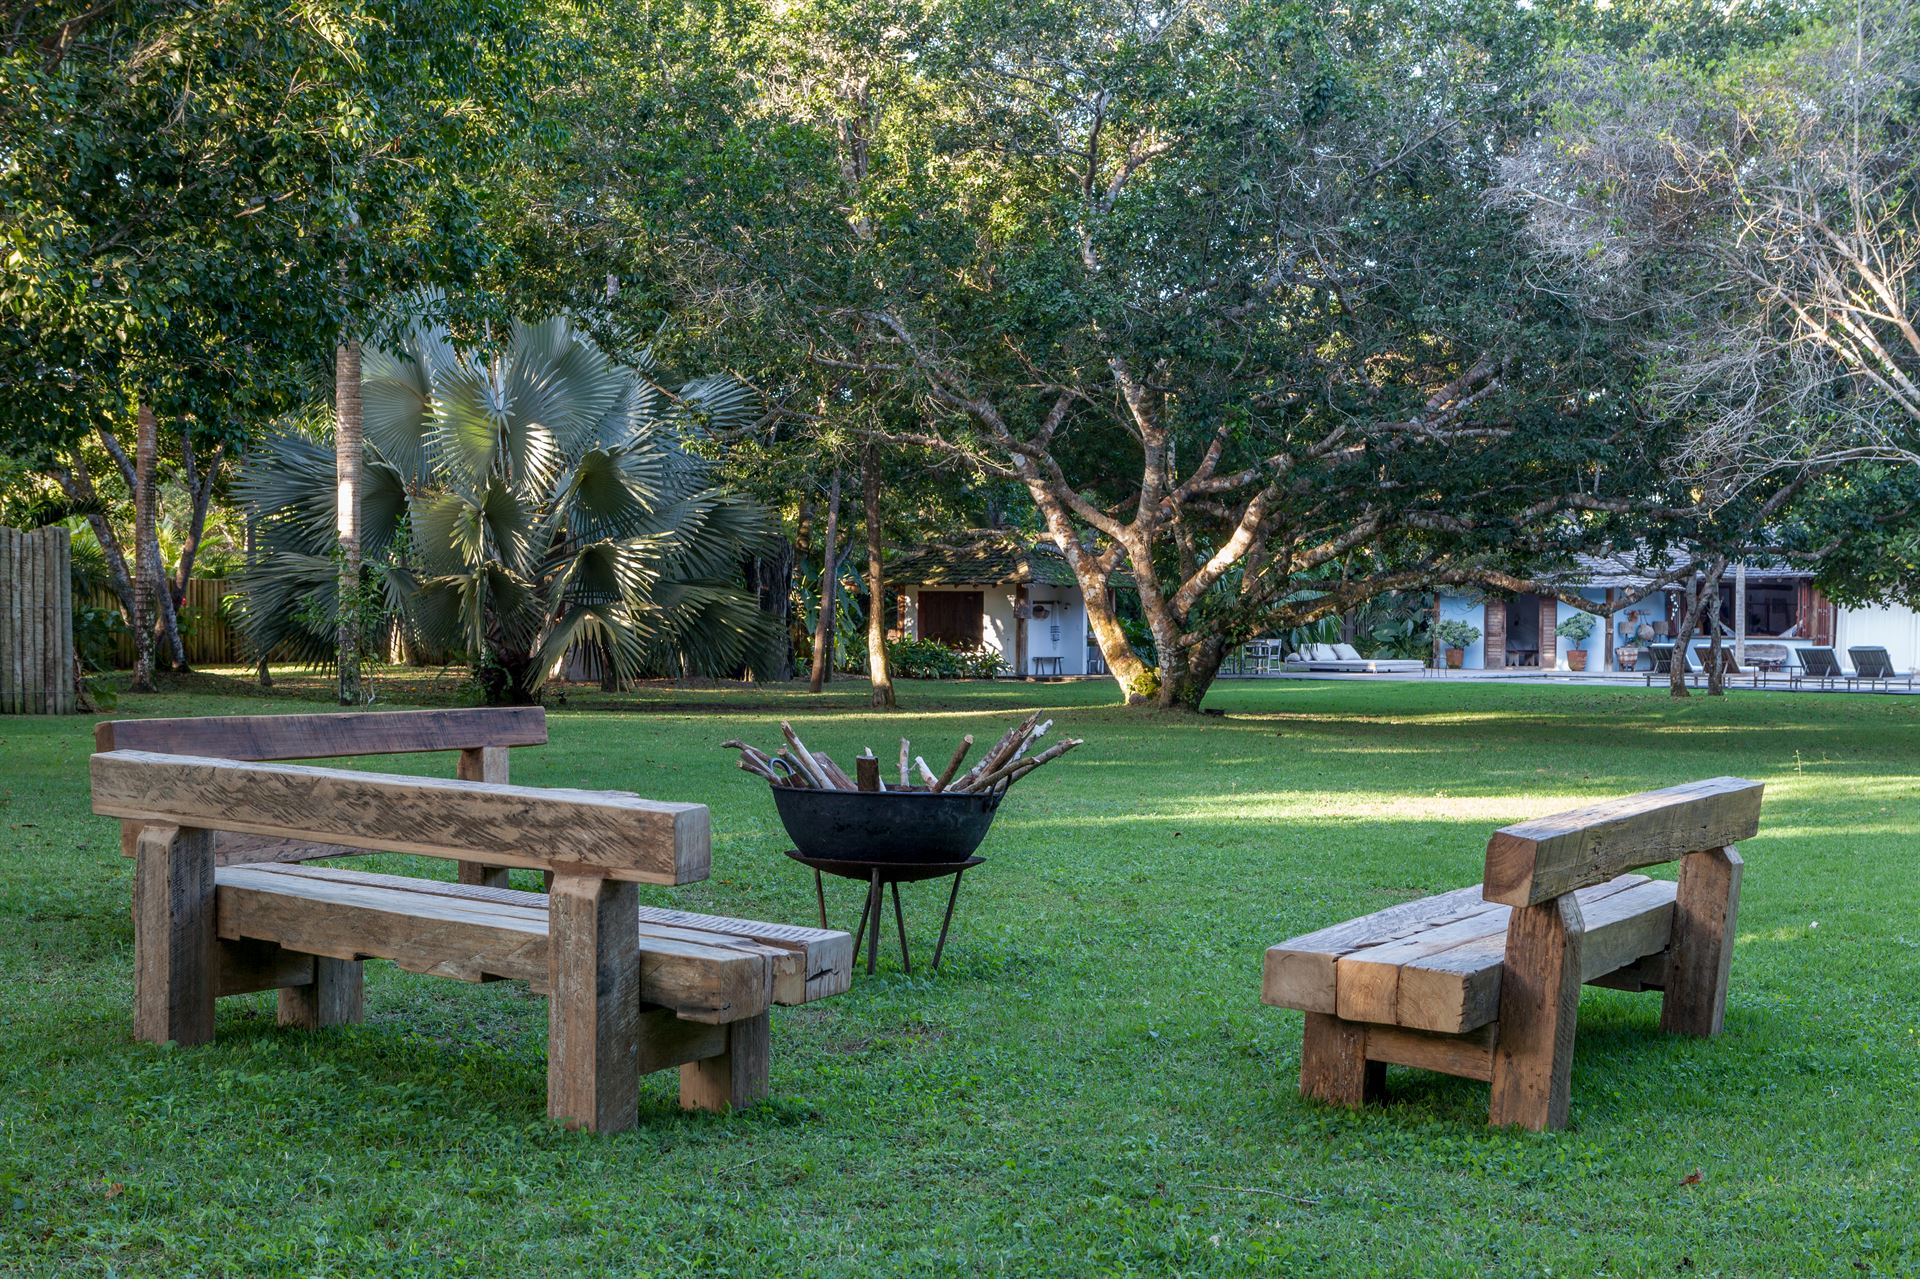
{"x": 953, "y": 765}
{"x": 483, "y": 764}
{"x": 999, "y": 752}
{"x": 471, "y": 933}
{"x": 927, "y": 775}
{"x": 810, "y": 767}
{"x": 276, "y": 737}
{"x": 1704, "y": 914}
{"x": 173, "y": 936}
{"x": 905, "y": 749}
{"x": 1539, "y": 1000}
{"x": 868, "y": 770}
{"x": 626, "y": 838}
{"x": 835, "y": 773}
{"x": 736, "y": 1078}
{"x": 1334, "y": 1066}
{"x": 593, "y": 1009}
{"x": 335, "y": 996}
{"x": 1015, "y": 769}
{"x": 1537, "y": 861}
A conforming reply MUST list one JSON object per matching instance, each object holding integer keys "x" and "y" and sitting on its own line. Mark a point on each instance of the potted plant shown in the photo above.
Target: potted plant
{"x": 1576, "y": 627}
{"x": 1458, "y": 637}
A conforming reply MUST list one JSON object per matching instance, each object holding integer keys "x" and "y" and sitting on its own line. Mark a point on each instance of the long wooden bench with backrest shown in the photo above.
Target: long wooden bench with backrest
{"x": 1484, "y": 982}
{"x": 632, "y": 989}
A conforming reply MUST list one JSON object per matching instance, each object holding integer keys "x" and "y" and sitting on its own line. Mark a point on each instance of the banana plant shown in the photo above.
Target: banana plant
{"x": 520, "y": 505}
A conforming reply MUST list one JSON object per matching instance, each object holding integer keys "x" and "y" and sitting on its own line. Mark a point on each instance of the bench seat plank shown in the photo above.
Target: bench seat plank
{"x": 341, "y": 915}
{"x": 808, "y": 963}
{"x": 1435, "y": 965}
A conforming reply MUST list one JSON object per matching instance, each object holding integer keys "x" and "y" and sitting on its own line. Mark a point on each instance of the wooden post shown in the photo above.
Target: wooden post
{"x": 1740, "y": 614}
{"x": 332, "y": 998}
{"x": 1612, "y": 605}
{"x": 173, "y": 936}
{"x": 1704, "y": 911}
{"x": 484, "y": 764}
{"x": 593, "y": 1005}
{"x": 736, "y": 1078}
{"x": 1022, "y": 602}
{"x": 1539, "y": 1002}
{"x": 1333, "y": 1063}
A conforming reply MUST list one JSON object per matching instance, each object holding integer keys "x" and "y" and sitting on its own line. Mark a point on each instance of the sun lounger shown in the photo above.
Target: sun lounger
{"x": 1873, "y": 665}
{"x": 1818, "y": 664}
{"x": 1345, "y": 659}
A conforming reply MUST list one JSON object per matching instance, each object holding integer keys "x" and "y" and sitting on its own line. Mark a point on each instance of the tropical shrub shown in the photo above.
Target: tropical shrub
{"x": 1454, "y": 633}
{"x": 931, "y": 659}
{"x": 519, "y": 504}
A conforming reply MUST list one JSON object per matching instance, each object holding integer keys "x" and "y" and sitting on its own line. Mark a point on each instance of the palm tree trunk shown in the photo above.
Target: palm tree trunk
{"x": 145, "y": 570}
{"x": 829, "y": 582}
{"x": 347, "y": 472}
{"x": 877, "y": 673}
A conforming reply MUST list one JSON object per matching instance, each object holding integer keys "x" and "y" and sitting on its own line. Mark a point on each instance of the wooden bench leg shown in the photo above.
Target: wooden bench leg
{"x": 483, "y": 764}
{"x": 593, "y": 1006}
{"x": 1704, "y": 910}
{"x": 1539, "y": 1006}
{"x": 173, "y": 936}
{"x": 736, "y": 1078}
{"x": 332, "y": 998}
{"x": 1333, "y": 1063}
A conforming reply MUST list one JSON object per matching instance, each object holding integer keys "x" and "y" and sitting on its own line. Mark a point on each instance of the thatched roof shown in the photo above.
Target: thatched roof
{"x": 989, "y": 557}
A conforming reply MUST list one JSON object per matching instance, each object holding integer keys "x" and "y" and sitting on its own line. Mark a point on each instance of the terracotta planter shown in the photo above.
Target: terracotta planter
{"x": 1576, "y": 659}
{"x": 1455, "y": 656}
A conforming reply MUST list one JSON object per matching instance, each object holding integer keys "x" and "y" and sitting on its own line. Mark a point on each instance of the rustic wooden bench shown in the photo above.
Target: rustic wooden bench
{"x": 1484, "y": 982}
{"x": 224, "y": 903}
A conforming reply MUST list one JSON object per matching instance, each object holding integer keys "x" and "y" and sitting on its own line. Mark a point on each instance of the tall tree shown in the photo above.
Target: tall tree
{"x": 877, "y": 675}
{"x": 349, "y": 463}
{"x": 146, "y": 568}
{"x": 823, "y": 628}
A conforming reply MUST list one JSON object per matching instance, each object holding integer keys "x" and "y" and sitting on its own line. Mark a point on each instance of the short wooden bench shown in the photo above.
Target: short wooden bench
{"x": 1484, "y": 982}
{"x": 224, "y": 903}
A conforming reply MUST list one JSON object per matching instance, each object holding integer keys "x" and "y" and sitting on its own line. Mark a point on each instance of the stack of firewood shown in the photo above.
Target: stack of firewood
{"x": 795, "y": 765}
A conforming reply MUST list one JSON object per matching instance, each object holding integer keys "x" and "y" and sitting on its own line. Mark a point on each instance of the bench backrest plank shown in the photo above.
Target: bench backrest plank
{"x": 279, "y": 737}
{"x": 1540, "y": 860}
{"x": 576, "y": 832}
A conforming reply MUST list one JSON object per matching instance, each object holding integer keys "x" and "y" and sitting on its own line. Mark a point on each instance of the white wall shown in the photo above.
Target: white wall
{"x": 1475, "y": 615}
{"x": 1895, "y": 628}
{"x": 1066, "y": 609}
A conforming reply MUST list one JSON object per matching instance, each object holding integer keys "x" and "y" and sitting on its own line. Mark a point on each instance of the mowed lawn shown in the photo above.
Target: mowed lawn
{"x": 1090, "y": 1086}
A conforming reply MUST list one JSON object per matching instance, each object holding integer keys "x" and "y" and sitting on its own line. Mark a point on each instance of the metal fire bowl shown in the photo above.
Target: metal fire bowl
{"x": 885, "y": 826}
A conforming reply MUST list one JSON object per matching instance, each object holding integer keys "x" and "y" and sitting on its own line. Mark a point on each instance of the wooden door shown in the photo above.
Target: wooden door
{"x": 952, "y": 617}
{"x": 1496, "y": 633}
{"x": 1549, "y": 642}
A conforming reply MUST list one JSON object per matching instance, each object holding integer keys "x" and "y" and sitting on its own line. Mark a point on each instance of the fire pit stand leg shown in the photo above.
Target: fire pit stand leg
{"x": 820, "y": 888}
{"x": 874, "y": 897}
{"x": 900, "y": 919}
{"x": 952, "y": 897}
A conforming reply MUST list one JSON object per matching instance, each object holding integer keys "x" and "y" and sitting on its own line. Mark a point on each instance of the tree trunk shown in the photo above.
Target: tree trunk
{"x": 161, "y": 614}
{"x": 829, "y": 583}
{"x": 145, "y": 572}
{"x": 261, "y": 673}
{"x": 877, "y": 674}
{"x": 1198, "y": 667}
{"x": 1716, "y": 673}
{"x": 798, "y": 639}
{"x": 347, "y": 474}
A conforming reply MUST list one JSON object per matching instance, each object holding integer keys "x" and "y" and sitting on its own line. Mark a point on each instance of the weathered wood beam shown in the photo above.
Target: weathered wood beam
{"x": 621, "y": 837}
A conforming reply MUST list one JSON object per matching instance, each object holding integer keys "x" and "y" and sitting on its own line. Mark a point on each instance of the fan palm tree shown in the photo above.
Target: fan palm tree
{"x": 518, "y": 506}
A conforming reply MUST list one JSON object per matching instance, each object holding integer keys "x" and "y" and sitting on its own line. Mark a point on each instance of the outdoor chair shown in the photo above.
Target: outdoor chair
{"x": 1873, "y": 665}
{"x": 1819, "y": 663}
{"x": 1663, "y": 656}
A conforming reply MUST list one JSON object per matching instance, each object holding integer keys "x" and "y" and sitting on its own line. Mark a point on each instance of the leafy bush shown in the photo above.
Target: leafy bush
{"x": 1454, "y": 633}
{"x": 929, "y": 659}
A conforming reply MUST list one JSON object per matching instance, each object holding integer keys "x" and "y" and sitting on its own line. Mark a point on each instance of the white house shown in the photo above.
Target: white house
{"x": 1765, "y": 608}
{"x": 1002, "y": 591}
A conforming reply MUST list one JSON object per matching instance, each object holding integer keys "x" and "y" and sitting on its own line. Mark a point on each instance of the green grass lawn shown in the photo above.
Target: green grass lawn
{"x": 1089, "y": 1087}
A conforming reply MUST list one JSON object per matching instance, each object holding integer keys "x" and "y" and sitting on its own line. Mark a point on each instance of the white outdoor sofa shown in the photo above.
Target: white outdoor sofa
{"x": 1337, "y": 658}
